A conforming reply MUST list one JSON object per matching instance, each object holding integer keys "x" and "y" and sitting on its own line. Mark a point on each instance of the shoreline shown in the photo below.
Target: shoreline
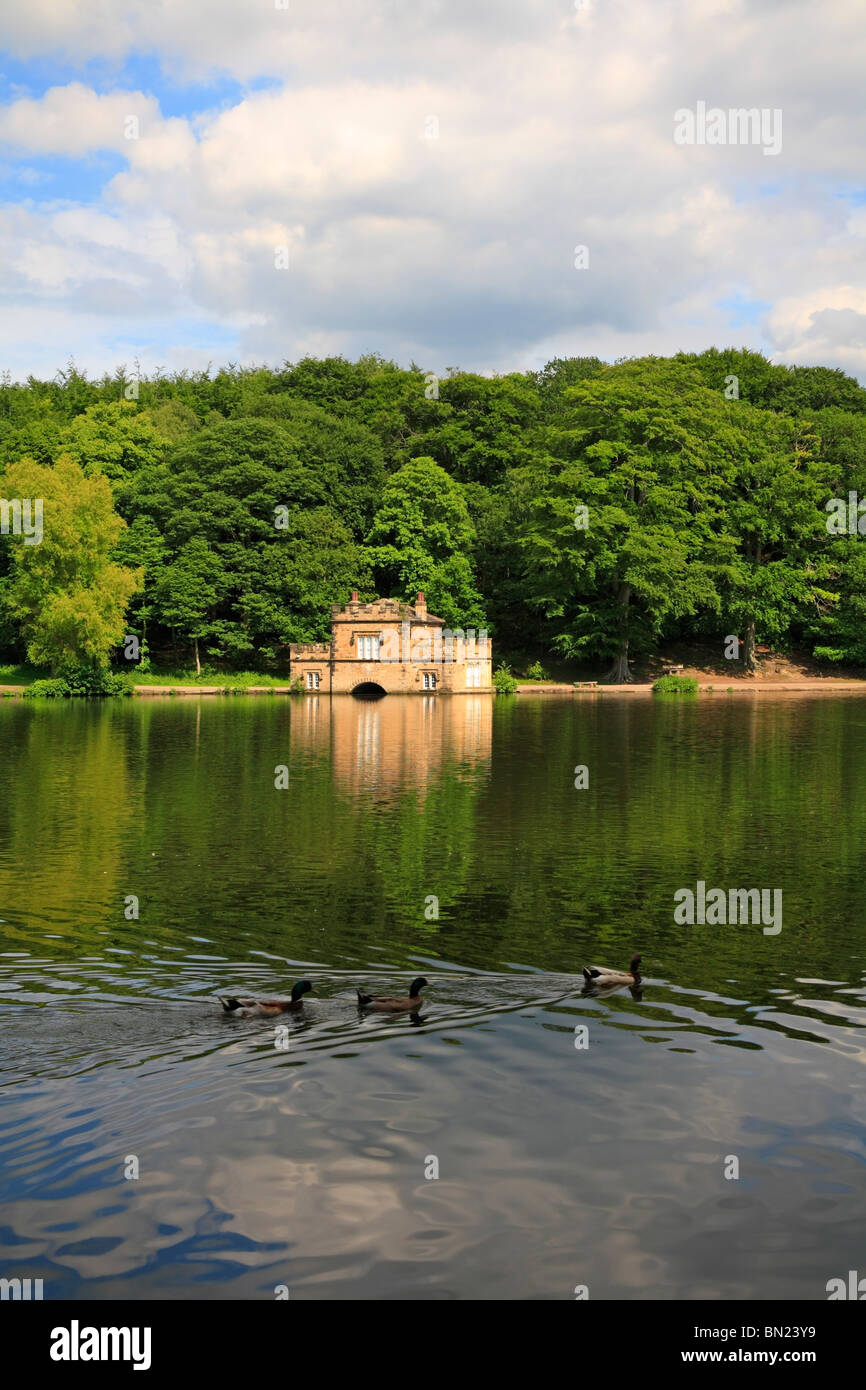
{"x": 828, "y": 685}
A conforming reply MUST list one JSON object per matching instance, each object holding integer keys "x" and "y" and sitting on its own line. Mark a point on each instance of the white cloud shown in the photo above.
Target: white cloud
{"x": 554, "y": 128}
{"x": 74, "y": 120}
{"x": 824, "y": 326}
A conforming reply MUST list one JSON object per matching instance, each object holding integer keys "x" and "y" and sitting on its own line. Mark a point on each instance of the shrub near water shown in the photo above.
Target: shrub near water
{"x": 51, "y": 689}
{"x": 676, "y": 685}
{"x": 536, "y": 672}
{"x": 503, "y": 681}
{"x": 80, "y": 681}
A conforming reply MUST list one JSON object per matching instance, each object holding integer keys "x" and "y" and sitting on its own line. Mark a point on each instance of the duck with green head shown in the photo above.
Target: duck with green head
{"x": 265, "y": 1008}
{"x": 393, "y": 1003}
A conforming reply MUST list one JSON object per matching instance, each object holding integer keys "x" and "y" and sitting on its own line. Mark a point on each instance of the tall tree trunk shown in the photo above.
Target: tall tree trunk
{"x": 619, "y": 674}
{"x": 197, "y": 662}
{"x": 750, "y": 661}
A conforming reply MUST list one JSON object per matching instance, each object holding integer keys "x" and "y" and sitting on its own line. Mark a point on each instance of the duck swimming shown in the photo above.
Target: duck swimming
{"x": 265, "y": 1008}
{"x": 391, "y": 1003}
{"x": 603, "y": 978}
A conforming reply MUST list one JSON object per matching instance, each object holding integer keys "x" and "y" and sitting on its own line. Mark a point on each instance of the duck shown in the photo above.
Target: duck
{"x": 391, "y": 1003}
{"x": 603, "y": 978}
{"x": 265, "y": 1008}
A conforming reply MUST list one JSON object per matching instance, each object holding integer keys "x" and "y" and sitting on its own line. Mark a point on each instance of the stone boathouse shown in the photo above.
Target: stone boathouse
{"x": 388, "y": 647}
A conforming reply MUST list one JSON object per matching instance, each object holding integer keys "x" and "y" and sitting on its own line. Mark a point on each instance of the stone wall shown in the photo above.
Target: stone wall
{"x": 393, "y": 645}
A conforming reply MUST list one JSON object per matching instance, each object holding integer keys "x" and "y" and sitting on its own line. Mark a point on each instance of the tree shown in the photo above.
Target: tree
{"x": 497, "y": 515}
{"x": 803, "y": 390}
{"x": 280, "y": 550}
{"x": 623, "y": 532}
{"x": 172, "y": 420}
{"x": 188, "y": 591}
{"x": 558, "y": 375}
{"x": 698, "y": 504}
{"x": 738, "y": 373}
{"x": 797, "y": 391}
{"x": 776, "y": 512}
{"x": 67, "y": 592}
{"x": 288, "y": 588}
{"x": 838, "y": 628}
{"x": 422, "y": 538}
{"x": 142, "y": 547}
{"x": 480, "y": 426}
{"x": 112, "y": 438}
{"x": 344, "y": 457}
{"x": 34, "y": 433}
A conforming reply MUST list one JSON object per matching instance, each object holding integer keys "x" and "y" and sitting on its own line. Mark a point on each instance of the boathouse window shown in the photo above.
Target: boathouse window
{"x": 429, "y": 678}
{"x": 313, "y": 678}
{"x": 368, "y": 648}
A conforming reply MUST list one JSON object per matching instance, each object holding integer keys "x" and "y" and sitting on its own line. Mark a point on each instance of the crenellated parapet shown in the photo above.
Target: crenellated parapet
{"x": 320, "y": 651}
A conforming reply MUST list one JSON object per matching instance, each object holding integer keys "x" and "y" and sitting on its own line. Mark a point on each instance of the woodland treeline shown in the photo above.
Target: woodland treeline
{"x": 589, "y": 511}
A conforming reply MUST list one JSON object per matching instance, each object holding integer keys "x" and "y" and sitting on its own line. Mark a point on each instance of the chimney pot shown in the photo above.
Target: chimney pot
{"x": 421, "y": 598}
{"x": 354, "y": 595}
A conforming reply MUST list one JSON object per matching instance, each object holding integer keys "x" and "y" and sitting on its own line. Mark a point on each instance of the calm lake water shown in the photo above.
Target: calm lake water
{"x": 558, "y": 1166}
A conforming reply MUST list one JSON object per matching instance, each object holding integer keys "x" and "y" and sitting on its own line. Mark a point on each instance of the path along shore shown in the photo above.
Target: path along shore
{"x": 722, "y": 685}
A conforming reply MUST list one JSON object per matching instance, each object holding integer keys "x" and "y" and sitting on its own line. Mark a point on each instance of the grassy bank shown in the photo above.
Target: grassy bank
{"x": 25, "y": 675}
{"x": 235, "y": 680}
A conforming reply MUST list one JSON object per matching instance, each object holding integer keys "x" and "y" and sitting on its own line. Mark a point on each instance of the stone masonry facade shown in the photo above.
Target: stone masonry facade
{"x": 393, "y": 647}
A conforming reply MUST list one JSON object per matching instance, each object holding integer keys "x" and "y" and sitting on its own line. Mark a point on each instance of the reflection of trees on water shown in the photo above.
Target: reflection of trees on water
{"x": 174, "y": 801}
{"x": 411, "y": 768}
{"x": 463, "y": 799}
{"x": 69, "y": 789}
{"x": 758, "y": 794}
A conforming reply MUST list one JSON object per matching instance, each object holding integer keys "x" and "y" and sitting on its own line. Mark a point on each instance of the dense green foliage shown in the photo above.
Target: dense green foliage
{"x": 81, "y": 681}
{"x": 584, "y": 510}
{"x": 66, "y": 591}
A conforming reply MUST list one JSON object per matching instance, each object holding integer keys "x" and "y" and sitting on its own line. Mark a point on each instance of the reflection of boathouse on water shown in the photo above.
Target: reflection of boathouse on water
{"x": 387, "y": 647}
{"x": 392, "y": 744}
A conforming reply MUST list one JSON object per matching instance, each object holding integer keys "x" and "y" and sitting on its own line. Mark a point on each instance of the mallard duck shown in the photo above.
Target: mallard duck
{"x": 391, "y": 1003}
{"x": 600, "y": 976}
{"x": 266, "y": 1008}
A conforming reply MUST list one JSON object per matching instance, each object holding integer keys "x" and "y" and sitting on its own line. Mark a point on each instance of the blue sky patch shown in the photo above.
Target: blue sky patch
{"x": 742, "y": 309}
{"x": 137, "y": 73}
{"x": 52, "y": 178}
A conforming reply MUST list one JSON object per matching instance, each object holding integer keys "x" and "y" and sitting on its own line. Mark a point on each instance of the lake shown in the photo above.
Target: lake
{"x": 152, "y": 1148}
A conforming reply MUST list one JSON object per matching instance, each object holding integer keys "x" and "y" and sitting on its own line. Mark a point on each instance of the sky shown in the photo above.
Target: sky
{"x": 185, "y": 182}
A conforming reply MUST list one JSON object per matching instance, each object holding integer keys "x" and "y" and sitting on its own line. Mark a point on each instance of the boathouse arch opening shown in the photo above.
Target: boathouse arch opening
{"x": 369, "y": 690}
